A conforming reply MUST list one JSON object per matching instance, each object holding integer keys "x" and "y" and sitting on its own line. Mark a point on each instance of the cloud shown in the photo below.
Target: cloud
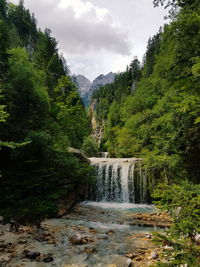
{"x": 83, "y": 34}
{"x": 80, "y": 26}
{"x": 98, "y": 36}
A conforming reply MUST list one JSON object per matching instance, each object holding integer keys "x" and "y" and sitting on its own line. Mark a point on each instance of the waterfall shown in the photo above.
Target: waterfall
{"x": 104, "y": 154}
{"x": 119, "y": 180}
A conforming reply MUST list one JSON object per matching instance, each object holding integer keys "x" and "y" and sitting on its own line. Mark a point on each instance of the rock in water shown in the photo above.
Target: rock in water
{"x": 48, "y": 259}
{"x": 75, "y": 239}
{"x": 154, "y": 255}
{"x": 31, "y": 255}
{"x": 89, "y": 250}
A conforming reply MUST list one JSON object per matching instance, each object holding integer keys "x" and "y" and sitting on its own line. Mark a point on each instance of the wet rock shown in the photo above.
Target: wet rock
{"x": 93, "y": 230}
{"x": 14, "y": 226}
{"x": 148, "y": 236}
{"x": 130, "y": 263}
{"x": 168, "y": 248}
{"x": 75, "y": 239}
{"x": 78, "y": 240}
{"x": 81, "y": 228}
{"x": 26, "y": 229}
{"x": 48, "y": 259}
{"x": 6, "y": 246}
{"x": 22, "y": 241}
{"x": 45, "y": 237}
{"x": 117, "y": 260}
{"x": 110, "y": 232}
{"x": 40, "y": 238}
{"x": 31, "y": 255}
{"x": 131, "y": 255}
{"x": 51, "y": 242}
{"x": 5, "y": 259}
{"x": 102, "y": 237}
{"x": 90, "y": 250}
{"x": 154, "y": 255}
{"x": 139, "y": 258}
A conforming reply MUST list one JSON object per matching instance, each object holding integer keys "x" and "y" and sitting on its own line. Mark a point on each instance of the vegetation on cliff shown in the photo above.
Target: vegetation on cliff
{"x": 152, "y": 111}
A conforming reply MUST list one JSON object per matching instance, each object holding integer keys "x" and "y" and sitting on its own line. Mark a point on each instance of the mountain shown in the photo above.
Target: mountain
{"x": 83, "y": 84}
{"x": 86, "y": 88}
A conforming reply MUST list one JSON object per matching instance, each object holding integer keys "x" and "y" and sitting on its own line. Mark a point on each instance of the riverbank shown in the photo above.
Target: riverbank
{"x": 88, "y": 236}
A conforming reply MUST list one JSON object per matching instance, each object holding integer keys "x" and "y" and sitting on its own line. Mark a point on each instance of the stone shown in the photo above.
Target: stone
{"x": 90, "y": 250}
{"x": 131, "y": 255}
{"x": 103, "y": 237}
{"x": 129, "y": 263}
{"x": 48, "y": 259}
{"x": 51, "y": 241}
{"x": 14, "y": 226}
{"x": 154, "y": 255}
{"x": 197, "y": 238}
{"x": 77, "y": 240}
{"x": 93, "y": 231}
{"x": 31, "y": 255}
{"x": 148, "y": 236}
{"x": 22, "y": 241}
{"x": 4, "y": 259}
{"x": 110, "y": 232}
{"x": 139, "y": 258}
{"x": 168, "y": 247}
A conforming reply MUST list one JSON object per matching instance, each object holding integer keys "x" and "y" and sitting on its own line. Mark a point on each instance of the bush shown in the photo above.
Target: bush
{"x": 90, "y": 147}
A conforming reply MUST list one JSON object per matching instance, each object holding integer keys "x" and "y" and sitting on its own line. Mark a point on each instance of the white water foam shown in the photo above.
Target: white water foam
{"x": 119, "y": 206}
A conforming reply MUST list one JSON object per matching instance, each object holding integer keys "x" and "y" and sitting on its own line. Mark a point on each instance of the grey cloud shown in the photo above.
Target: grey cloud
{"x": 82, "y": 34}
{"x": 79, "y": 36}
{"x": 92, "y": 46}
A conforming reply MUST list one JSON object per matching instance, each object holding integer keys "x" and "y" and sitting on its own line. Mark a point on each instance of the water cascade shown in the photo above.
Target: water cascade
{"x": 119, "y": 180}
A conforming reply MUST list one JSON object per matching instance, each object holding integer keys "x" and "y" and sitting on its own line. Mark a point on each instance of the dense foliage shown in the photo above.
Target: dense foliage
{"x": 156, "y": 115}
{"x": 181, "y": 242}
{"x": 41, "y": 114}
{"x": 156, "y": 112}
{"x": 90, "y": 147}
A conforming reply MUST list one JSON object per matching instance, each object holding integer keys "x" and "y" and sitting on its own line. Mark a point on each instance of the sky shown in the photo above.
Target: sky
{"x": 98, "y": 36}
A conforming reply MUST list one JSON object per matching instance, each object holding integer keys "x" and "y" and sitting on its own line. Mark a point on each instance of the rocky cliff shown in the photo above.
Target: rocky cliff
{"x": 86, "y": 88}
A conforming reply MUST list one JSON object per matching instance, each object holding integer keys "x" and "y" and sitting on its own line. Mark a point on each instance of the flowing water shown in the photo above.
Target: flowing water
{"x": 106, "y": 220}
{"x": 119, "y": 180}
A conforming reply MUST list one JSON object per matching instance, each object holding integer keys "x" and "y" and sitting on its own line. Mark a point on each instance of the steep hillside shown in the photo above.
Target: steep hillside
{"x": 158, "y": 117}
{"x": 41, "y": 114}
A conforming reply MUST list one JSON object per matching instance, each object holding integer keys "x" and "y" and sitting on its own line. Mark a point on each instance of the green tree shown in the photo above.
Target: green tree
{"x": 90, "y": 147}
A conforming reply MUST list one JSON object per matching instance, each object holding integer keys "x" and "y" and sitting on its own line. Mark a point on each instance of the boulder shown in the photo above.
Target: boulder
{"x": 31, "y": 255}
{"x": 76, "y": 239}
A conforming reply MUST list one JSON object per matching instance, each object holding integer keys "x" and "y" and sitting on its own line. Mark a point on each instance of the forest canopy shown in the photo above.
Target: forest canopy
{"x": 41, "y": 114}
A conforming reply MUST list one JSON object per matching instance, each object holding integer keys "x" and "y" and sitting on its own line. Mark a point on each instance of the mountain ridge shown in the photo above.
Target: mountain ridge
{"x": 87, "y": 88}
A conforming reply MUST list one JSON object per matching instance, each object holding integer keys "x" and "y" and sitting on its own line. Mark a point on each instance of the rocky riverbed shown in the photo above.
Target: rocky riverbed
{"x": 89, "y": 236}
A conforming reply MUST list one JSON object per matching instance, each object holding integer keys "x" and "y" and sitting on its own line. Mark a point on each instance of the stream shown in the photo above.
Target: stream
{"x": 105, "y": 231}
{"x": 100, "y": 232}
